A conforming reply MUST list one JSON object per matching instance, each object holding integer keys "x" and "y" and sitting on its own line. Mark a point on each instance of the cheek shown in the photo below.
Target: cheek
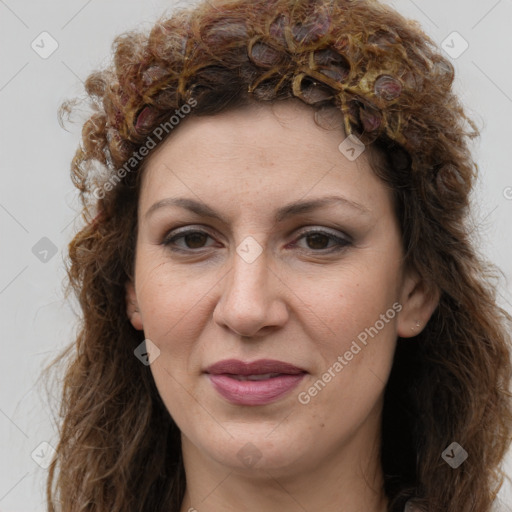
{"x": 355, "y": 360}
{"x": 356, "y": 339}
{"x": 186, "y": 407}
{"x": 349, "y": 300}
{"x": 172, "y": 302}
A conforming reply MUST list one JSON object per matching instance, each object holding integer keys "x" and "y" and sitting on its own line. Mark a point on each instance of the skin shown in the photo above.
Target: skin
{"x": 296, "y": 302}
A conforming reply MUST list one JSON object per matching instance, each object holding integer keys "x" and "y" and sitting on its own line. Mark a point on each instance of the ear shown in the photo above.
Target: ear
{"x": 418, "y": 304}
{"x": 132, "y": 306}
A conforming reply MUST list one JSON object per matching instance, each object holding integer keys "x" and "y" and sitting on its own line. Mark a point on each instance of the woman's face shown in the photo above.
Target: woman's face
{"x": 269, "y": 275}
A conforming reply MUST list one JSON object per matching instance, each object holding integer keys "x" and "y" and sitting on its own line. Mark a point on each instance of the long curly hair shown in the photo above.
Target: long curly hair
{"x": 394, "y": 89}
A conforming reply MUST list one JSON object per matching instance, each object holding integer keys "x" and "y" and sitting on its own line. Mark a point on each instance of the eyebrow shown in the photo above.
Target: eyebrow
{"x": 289, "y": 210}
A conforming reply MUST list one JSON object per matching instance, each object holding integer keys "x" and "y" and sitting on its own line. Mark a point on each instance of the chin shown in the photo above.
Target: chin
{"x": 257, "y": 448}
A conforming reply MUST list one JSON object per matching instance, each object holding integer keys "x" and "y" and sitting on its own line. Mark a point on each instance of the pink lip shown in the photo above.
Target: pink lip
{"x": 223, "y": 375}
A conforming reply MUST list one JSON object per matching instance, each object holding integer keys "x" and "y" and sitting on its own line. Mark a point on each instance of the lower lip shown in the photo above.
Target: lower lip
{"x": 254, "y": 392}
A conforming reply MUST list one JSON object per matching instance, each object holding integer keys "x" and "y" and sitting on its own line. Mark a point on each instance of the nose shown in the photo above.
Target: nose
{"x": 252, "y": 301}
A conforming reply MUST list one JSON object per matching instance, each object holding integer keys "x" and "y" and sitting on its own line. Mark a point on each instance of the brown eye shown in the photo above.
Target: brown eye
{"x": 193, "y": 239}
{"x": 316, "y": 240}
{"x": 319, "y": 241}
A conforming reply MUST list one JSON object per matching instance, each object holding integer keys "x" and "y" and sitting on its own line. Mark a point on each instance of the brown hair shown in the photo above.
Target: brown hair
{"x": 394, "y": 89}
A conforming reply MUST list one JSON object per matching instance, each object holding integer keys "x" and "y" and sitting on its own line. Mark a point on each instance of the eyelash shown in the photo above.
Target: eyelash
{"x": 341, "y": 243}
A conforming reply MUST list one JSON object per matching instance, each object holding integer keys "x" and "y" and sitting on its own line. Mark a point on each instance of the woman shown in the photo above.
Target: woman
{"x": 282, "y": 307}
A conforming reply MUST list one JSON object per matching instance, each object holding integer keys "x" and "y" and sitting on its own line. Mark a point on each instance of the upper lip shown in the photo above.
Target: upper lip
{"x": 259, "y": 367}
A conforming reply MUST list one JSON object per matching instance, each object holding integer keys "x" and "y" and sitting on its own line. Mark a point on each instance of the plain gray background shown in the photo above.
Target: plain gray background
{"x": 39, "y": 206}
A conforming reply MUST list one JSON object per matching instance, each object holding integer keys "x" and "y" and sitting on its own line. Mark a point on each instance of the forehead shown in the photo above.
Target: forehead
{"x": 258, "y": 149}
{"x": 271, "y": 126}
